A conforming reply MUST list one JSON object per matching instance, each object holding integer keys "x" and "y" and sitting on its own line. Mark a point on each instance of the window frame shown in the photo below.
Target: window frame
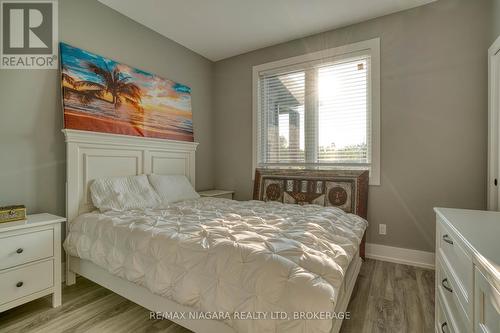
{"x": 369, "y": 47}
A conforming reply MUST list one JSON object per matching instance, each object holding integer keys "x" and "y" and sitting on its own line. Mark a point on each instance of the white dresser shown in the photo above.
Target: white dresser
{"x": 30, "y": 260}
{"x": 467, "y": 271}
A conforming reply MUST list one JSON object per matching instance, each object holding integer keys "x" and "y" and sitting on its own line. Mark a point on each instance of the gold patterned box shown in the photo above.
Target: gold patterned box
{"x": 344, "y": 189}
{"x": 12, "y": 213}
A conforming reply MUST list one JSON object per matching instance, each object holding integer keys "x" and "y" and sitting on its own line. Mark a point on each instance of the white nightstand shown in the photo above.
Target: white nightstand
{"x": 30, "y": 260}
{"x": 217, "y": 194}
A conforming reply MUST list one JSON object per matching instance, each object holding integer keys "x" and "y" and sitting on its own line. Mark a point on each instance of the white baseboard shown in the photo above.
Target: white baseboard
{"x": 400, "y": 255}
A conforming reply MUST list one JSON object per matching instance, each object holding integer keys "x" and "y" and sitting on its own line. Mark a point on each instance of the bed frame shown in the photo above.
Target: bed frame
{"x": 92, "y": 155}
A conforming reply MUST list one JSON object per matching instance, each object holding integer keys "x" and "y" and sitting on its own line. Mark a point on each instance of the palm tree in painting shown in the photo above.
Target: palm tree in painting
{"x": 84, "y": 96}
{"x": 67, "y": 78}
{"x": 114, "y": 83}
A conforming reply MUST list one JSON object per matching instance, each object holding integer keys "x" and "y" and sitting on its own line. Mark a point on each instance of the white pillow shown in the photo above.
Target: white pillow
{"x": 172, "y": 188}
{"x": 123, "y": 193}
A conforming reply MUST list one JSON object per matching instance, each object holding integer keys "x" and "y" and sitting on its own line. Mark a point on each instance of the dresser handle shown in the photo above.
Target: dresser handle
{"x": 19, "y": 284}
{"x": 19, "y": 250}
{"x": 445, "y": 286}
{"x": 447, "y": 239}
{"x": 443, "y": 325}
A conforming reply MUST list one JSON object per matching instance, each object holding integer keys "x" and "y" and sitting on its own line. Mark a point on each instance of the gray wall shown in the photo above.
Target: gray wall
{"x": 495, "y": 20}
{"x": 32, "y": 146}
{"x": 433, "y": 111}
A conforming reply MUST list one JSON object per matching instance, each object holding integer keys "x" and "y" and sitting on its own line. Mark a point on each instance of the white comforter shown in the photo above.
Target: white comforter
{"x": 228, "y": 256}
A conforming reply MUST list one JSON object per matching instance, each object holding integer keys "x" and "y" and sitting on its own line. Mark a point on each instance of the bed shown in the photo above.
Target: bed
{"x": 206, "y": 258}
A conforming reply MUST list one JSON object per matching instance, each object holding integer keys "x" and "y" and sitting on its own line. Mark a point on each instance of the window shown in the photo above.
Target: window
{"x": 320, "y": 110}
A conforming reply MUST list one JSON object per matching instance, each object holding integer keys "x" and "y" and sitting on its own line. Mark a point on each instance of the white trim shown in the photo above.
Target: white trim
{"x": 400, "y": 255}
{"x": 375, "y": 111}
{"x": 373, "y": 45}
{"x": 338, "y": 52}
{"x": 493, "y": 126}
{"x": 88, "y": 137}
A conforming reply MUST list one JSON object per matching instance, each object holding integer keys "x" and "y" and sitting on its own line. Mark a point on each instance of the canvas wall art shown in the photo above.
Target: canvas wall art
{"x": 102, "y": 95}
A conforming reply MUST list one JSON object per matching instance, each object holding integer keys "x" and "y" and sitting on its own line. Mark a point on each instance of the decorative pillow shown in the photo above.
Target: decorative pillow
{"x": 172, "y": 188}
{"x": 123, "y": 193}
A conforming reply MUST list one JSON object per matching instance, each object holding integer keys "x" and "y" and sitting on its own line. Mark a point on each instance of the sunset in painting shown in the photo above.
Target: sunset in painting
{"x": 103, "y": 95}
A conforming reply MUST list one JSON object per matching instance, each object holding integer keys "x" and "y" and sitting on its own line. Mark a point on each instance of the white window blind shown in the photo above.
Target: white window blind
{"x": 320, "y": 110}
{"x": 316, "y": 115}
{"x": 343, "y": 113}
{"x": 282, "y": 124}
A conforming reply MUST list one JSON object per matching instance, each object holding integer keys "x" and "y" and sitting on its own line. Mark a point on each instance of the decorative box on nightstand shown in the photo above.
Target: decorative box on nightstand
{"x": 30, "y": 260}
{"x": 217, "y": 194}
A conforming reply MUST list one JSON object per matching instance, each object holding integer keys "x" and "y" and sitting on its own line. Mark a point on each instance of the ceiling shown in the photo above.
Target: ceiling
{"x": 219, "y": 29}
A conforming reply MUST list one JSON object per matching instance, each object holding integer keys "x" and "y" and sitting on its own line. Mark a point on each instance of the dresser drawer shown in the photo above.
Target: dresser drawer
{"x": 449, "y": 295}
{"x": 457, "y": 261}
{"x": 443, "y": 324}
{"x": 26, "y": 280}
{"x": 23, "y": 248}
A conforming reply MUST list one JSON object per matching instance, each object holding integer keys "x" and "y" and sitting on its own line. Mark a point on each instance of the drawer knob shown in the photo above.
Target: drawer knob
{"x": 19, "y": 250}
{"x": 19, "y": 284}
{"x": 444, "y": 283}
{"x": 447, "y": 239}
{"x": 443, "y": 325}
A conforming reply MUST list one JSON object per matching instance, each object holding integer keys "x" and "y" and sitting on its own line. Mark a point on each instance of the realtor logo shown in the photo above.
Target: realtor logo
{"x": 29, "y": 34}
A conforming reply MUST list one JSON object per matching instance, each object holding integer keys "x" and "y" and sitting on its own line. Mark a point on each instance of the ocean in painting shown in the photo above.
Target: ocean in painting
{"x": 102, "y": 95}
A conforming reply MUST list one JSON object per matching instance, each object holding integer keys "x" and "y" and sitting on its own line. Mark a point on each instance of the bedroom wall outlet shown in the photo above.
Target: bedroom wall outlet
{"x": 382, "y": 229}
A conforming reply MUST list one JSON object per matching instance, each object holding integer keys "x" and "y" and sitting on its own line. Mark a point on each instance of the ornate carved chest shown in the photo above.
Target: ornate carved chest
{"x": 347, "y": 190}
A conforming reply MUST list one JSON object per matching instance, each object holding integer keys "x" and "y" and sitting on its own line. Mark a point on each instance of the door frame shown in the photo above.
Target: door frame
{"x": 493, "y": 195}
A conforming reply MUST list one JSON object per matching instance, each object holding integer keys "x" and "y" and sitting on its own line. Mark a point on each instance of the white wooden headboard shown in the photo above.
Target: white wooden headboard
{"x": 92, "y": 155}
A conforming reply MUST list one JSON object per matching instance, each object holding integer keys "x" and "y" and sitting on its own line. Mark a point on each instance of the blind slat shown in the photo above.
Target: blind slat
{"x": 328, "y": 104}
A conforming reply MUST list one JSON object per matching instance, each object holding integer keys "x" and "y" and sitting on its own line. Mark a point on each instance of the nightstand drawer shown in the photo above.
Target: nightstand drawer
{"x": 23, "y": 248}
{"x": 224, "y": 194}
{"x": 26, "y": 280}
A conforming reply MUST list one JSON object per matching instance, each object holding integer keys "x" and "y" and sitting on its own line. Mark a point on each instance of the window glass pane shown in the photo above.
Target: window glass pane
{"x": 282, "y": 118}
{"x": 343, "y": 128}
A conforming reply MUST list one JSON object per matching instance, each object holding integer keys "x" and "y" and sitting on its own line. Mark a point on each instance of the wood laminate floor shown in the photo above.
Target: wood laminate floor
{"x": 391, "y": 298}
{"x": 387, "y": 298}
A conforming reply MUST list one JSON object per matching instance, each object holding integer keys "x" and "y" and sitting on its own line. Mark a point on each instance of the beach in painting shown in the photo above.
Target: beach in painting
{"x": 103, "y": 95}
